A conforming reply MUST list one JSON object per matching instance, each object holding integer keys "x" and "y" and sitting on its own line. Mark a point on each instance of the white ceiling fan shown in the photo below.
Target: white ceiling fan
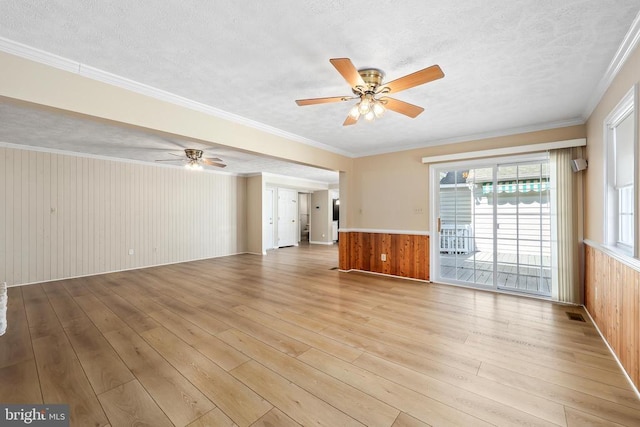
{"x": 194, "y": 160}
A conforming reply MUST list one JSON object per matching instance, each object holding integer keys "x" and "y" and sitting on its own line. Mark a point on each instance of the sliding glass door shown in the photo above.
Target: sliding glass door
{"x": 494, "y": 226}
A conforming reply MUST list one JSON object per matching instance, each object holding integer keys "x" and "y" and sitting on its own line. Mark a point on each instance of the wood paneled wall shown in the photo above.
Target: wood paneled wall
{"x": 612, "y": 296}
{"x": 65, "y": 216}
{"x": 407, "y": 254}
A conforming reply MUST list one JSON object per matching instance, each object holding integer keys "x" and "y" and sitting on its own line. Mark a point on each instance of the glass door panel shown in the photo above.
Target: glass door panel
{"x": 466, "y": 224}
{"x": 494, "y": 228}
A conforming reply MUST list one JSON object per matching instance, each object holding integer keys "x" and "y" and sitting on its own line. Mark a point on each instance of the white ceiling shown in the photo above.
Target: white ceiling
{"x": 508, "y": 64}
{"x": 51, "y": 129}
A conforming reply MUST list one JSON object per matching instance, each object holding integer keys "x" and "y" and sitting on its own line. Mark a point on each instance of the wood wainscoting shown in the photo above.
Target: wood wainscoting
{"x": 612, "y": 297}
{"x": 407, "y": 255}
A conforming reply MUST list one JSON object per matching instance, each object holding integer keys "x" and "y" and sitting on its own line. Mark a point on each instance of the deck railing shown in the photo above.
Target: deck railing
{"x": 456, "y": 238}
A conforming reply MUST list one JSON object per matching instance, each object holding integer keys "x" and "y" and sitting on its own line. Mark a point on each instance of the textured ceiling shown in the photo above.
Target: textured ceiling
{"x": 508, "y": 64}
{"x": 51, "y": 129}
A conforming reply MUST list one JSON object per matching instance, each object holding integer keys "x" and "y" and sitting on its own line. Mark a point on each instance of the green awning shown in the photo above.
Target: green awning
{"x": 525, "y": 186}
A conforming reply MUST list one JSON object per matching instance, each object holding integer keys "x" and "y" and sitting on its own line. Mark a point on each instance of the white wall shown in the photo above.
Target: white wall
{"x": 321, "y": 217}
{"x": 65, "y": 216}
{"x": 255, "y": 192}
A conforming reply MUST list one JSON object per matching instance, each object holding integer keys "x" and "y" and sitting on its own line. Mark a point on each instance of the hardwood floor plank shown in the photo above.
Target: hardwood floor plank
{"x": 275, "y": 418}
{"x": 65, "y": 307}
{"x": 62, "y": 380}
{"x": 180, "y": 400}
{"x": 235, "y": 399}
{"x": 220, "y": 353}
{"x": 78, "y": 287}
{"x": 305, "y": 336}
{"x": 104, "y": 369}
{"x": 186, "y": 330}
{"x": 577, "y": 418}
{"x": 353, "y": 402}
{"x": 282, "y": 342}
{"x": 473, "y": 395}
{"x": 130, "y": 404}
{"x": 211, "y": 324}
{"x": 104, "y": 319}
{"x": 406, "y": 400}
{"x": 216, "y": 418}
{"x": 41, "y": 318}
{"x": 15, "y": 344}
{"x": 300, "y": 405}
{"x": 584, "y": 402}
{"x": 101, "y": 364}
{"x": 19, "y": 383}
{"x": 216, "y": 350}
{"x": 280, "y": 312}
{"x": 134, "y": 318}
{"x": 405, "y": 420}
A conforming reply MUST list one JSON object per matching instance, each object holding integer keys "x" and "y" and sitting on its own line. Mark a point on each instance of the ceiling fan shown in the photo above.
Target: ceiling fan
{"x": 194, "y": 160}
{"x": 367, "y": 86}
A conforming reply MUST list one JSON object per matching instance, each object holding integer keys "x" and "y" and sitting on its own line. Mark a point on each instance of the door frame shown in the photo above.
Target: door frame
{"x": 434, "y": 205}
{"x": 269, "y": 192}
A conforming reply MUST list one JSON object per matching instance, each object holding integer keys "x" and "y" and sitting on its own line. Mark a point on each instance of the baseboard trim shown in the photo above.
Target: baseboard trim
{"x": 385, "y": 275}
{"x": 321, "y": 243}
{"x": 15, "y": 285}
{"x": 615, "y": 356}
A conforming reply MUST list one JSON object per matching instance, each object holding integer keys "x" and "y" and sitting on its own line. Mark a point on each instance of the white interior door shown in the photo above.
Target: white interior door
{"x": 268, "y": 220}
{"x": 287, "y": 217}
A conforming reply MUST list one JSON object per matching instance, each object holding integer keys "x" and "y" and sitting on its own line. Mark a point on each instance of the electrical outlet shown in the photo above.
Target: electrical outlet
{"x": 130, "y": 251}
{"x": 383, "y": 257}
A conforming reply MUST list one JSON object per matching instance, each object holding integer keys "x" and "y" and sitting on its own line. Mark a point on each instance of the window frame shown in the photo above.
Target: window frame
{"x": 627, "y": 106}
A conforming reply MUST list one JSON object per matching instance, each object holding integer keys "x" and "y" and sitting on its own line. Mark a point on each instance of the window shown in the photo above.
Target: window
{"x": 625, "y": 216}
{"x": 620, "y": 132}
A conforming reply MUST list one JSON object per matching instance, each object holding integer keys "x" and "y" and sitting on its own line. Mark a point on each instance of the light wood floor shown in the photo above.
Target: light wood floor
{"x": 283, "y": 340}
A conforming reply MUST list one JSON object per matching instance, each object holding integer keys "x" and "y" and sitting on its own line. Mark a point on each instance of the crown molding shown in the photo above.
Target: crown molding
{"x": 628, "y": 45}
{"x": 46, "y": 58}
{"x": 479, "y": 136}
{"x": 37, "y": 55}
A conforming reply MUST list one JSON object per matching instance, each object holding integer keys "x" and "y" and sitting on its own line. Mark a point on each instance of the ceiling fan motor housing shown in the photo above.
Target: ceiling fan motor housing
{"x": 372, "y": 77}
{"x": 193, "y": 154}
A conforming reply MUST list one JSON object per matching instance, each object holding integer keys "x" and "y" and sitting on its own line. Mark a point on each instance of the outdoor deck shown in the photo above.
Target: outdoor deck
{"x": 530, "y": 278}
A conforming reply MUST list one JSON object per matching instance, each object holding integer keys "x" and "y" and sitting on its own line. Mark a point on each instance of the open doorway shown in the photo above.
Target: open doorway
{"x": 305, "y": 218}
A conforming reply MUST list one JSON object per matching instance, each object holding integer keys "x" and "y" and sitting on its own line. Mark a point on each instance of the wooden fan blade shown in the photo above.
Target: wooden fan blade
{"x": 171, "y": 160}
{"x": 350, "y": 121}
{"x": 402, "y": 107}
{"x": 415, "y": 79}
{"x": 212, "y": 159}
{"x": 210, "y": 163}
{"x": 346, "y": 68}
{"x": 312, "y": 101}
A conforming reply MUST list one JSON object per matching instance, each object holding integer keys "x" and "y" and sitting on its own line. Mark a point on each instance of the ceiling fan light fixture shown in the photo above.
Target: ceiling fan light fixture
{"x": 370, "y": 116}
{"x": 355, "y": 112}
{"x": 193, "y": 165}
{"x": 378, "y": 109}
{"x": 364, "y": 106}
